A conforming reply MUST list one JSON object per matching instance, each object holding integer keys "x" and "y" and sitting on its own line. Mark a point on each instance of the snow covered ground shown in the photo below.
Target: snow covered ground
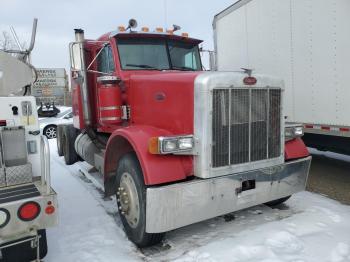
{"x": 309, "y": 227}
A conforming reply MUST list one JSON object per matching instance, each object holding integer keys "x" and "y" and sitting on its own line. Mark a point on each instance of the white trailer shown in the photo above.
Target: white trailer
{"x": 307, "y": 44}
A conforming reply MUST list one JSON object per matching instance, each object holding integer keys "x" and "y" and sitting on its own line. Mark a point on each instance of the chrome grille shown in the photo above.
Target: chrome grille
{"x": 246, "y": 125}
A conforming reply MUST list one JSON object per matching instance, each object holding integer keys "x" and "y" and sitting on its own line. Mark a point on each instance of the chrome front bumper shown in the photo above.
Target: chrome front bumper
{"x": 178, "y": 205}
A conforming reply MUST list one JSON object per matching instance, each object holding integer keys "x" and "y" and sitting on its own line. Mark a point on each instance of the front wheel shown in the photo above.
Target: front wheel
{"x": 131, "y": 201}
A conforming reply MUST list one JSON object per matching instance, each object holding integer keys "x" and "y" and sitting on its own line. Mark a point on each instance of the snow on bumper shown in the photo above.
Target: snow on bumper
{"x": 178, "y": 205}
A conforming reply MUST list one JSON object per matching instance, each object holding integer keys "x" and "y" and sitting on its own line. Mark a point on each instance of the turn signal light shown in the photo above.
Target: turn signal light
{"x": 29, "y": 211}
{"x": 4, "y": 217}
{"x": 153, "y": 145}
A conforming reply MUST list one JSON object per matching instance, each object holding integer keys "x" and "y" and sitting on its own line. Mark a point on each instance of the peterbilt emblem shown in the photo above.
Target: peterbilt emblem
{"x": 249, "y": 80}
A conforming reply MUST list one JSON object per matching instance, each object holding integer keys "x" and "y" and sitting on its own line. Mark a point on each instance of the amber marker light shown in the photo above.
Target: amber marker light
{"x": 159, "y": 30}
{"x": 184, "y": 34}
{"x": 153, "y": 145}
{"x": 50, "y": 210}
{"x": 170, "y": 31}
{"x": 145, "y": 29}
{"x": 121, "y": 28}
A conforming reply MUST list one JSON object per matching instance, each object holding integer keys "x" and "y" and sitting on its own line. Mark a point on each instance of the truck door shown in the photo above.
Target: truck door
{"x": 108, "y": 91}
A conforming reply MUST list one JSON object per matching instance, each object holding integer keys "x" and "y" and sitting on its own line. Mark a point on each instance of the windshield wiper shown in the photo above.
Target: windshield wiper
{"x": 143, "y": 66}
{"x": 185, "y": 68}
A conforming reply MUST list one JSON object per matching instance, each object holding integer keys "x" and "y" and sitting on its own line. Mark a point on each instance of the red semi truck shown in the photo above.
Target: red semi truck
{"x": 175, "y": 144}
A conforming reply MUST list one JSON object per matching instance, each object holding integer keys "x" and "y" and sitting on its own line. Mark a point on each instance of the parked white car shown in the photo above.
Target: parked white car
{"x": 48, "y": 125}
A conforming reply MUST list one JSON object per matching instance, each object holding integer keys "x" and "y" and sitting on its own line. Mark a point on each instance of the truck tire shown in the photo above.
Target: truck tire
{"x": 24, "y": 252}
{"x": 131, "y": 201}
{"x": 59, "y": 140}
{"x": 277, "y": 201}
{"x": 68, "y": 139}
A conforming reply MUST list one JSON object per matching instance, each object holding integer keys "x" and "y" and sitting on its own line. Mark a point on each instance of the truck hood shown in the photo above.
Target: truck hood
{"x": 163, "y": 100}
{"x": 166, "y": 99}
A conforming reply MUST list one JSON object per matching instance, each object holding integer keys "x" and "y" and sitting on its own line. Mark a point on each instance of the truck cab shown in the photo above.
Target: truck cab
{"x": 120, "y": 61}
{"x": 175, "y": 144}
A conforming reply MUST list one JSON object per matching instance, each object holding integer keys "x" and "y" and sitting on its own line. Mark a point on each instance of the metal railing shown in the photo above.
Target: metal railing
{"x": 45, "y": 164}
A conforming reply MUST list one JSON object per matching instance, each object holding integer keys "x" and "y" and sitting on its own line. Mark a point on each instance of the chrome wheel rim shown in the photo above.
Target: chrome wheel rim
{"x": 50, "y": 132}
{"x": 128, "y": 200}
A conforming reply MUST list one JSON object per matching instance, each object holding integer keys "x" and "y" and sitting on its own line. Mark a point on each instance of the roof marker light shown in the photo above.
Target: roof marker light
{"x": 184, "y": 34}
{"x": 170, "y": 31}
{"x": 159, "y": 30}
{"x": 145, "y": 29}
{"x": 121, "y": 28}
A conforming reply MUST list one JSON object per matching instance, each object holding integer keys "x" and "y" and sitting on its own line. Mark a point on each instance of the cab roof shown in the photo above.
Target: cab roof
{"x": 137, "y": 34}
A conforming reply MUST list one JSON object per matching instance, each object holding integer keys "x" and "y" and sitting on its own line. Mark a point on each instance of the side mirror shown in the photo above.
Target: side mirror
{"x": 76, "y": 60}
{"x": 211, "y": 57}
{"x": 105, "y": 80}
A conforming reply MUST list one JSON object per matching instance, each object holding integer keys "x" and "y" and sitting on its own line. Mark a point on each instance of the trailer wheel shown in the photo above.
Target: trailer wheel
{"x": 68, "y": 139}
{"x": 277, "y": 201}
{"x": 59, "y": 140}
{"x": 131, "y": 201}
{"x": 25, "y": 252}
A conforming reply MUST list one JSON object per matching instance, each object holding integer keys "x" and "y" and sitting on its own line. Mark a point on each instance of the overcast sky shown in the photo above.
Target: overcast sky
{"x": 57, "y": 19}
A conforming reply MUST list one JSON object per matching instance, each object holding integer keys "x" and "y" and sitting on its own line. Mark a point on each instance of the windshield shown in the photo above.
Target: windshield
{"x": 158, "y": 54}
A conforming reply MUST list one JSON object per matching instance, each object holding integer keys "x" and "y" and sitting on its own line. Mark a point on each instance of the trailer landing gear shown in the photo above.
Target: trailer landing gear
{"x": 131, "y": 201}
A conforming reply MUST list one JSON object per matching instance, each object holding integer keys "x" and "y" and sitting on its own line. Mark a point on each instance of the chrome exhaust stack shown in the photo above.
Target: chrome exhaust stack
{"x": 78, "y": 64}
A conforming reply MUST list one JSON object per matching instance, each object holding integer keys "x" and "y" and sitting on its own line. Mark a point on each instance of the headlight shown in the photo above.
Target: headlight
{"x": 292, "y": 132}
{"x": 186, "y": 143}
{"x": 171, "y": 145}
